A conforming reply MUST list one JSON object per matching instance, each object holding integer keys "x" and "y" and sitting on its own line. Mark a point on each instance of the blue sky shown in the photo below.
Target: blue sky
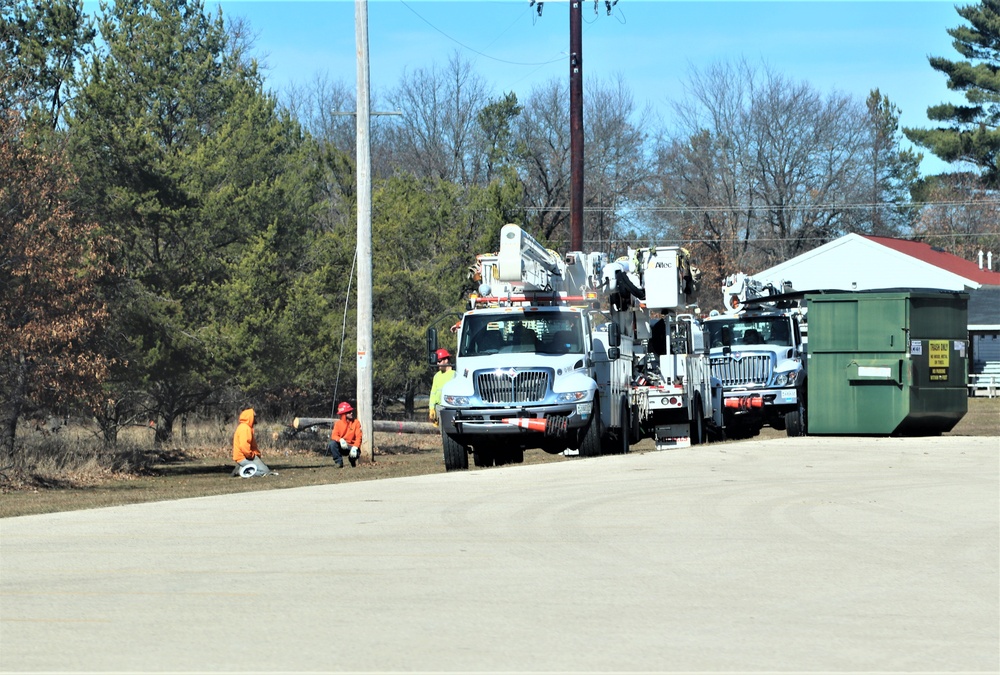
{"x": 849, "y": 47}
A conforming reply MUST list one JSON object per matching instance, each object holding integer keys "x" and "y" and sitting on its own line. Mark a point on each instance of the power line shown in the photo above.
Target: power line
{"x": 754, "y": 240}
{"x": 476, "y": 51}
{"x": 763, "y": 208}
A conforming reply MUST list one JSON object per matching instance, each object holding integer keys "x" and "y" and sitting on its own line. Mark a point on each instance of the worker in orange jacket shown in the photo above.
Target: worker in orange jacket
{"x": 245, "y": 451}
{"x": 345, "y": 436}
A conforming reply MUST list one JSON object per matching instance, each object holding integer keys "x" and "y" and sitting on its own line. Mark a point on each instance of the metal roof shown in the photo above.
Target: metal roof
{"x": 938, "y": 257}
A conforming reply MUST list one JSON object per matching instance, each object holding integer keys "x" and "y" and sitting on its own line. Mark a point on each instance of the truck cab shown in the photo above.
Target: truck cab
{"x": 758, "y": 358}
{"x": 520, "y": 368}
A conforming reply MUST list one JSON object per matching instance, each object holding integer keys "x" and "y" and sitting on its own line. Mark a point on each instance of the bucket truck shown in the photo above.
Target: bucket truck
{"x": 672, "y": 397}
{"x": 758, "y": 354}
{"x": 554, "y": 354}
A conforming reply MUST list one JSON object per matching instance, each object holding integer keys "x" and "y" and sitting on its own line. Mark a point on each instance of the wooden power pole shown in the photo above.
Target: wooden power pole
{"x": 576, "y": 124}
{"x": 364, "y": 168}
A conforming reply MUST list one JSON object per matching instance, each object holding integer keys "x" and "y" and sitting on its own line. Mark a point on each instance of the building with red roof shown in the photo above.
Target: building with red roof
{"x": 858, "y": 262}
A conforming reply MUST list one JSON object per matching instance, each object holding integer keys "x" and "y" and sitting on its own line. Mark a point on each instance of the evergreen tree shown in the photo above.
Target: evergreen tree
{"x": 41, "y": 43}
{"x": 970, "y": 132}
{"x": 894, "y": 170}
{"x": 188, "y": 164}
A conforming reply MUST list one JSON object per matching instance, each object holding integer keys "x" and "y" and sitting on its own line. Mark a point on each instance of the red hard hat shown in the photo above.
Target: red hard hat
{"x": 344, "y": 408}
{"x": 442, "y": 354}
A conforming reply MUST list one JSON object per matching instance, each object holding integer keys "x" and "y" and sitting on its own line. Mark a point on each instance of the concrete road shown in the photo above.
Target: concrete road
{"x": 809, "y": 554}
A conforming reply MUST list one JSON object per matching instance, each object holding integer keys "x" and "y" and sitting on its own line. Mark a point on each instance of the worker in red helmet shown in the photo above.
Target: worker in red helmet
{"x": 345, "y": 437}
{"x": 441, "y": 377}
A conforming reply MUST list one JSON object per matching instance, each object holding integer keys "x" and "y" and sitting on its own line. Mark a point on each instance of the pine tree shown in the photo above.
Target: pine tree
{"x": 894, "y": 170}
{"x": 970, "y": 132}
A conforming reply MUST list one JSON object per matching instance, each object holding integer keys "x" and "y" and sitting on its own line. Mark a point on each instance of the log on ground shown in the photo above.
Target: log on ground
{"x": 387, "y": 426}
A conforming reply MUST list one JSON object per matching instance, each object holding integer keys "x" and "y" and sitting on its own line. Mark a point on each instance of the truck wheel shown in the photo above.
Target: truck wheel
{"x": 483, "y": 456}
{"x": 697, "y": 425}
{"x": 626, "y": 426}
{"x": 456, "y": 455}
{"x": 634, "y": 430}
{"x": 590, "y": 445}
{"x": 514, "y": 456}
{"x": 793, "y": 424}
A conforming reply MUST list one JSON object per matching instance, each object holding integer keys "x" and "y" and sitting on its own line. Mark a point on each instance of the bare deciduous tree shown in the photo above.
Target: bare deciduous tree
{"x": 437, "y": 135}
{"x": 617, "y": 171}
{"x": 758, "y": 169}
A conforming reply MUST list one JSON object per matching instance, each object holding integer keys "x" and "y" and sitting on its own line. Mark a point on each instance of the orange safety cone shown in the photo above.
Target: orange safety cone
{"x": 530, "y": 423}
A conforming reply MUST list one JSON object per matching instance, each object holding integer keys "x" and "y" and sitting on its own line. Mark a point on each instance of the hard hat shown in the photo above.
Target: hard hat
{"x": 442, "y": 354}
{"x": 344, "y": 408}
{"x": 248, "y": 471}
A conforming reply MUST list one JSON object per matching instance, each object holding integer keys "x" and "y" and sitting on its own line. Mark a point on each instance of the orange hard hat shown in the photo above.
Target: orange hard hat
{"x": 344, "y": 408}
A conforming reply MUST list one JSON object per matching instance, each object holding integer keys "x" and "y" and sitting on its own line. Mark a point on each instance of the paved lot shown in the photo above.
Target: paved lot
{"x": 792, "y": 555}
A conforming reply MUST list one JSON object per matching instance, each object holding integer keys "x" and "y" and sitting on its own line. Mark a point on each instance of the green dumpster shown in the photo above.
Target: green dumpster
{"x": 889, "y": 362}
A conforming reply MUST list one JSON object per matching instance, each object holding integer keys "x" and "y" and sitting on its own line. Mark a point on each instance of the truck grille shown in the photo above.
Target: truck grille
{"x": 751, "y": 369}
{"x": 526, "y": 386}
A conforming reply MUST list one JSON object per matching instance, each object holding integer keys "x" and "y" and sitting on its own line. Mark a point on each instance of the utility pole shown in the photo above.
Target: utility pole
{"x": 576, "y": 124}
{"x": 364, "y": 168}
{"x": 576, "y": 115}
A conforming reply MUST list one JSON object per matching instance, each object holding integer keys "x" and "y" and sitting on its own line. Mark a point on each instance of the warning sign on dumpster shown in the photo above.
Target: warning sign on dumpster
{"x": 937, "y": 356}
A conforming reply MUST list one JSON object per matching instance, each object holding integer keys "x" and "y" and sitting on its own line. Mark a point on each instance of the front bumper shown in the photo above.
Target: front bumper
{"x": 470, "y": 422}
{"x": 760, "y": 398}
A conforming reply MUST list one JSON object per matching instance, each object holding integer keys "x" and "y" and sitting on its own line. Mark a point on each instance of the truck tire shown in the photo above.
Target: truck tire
{"x": 456, "y": 455}
{"x": 625, "y": 431}
{"x": 483, "y": 457}
{"x": 796, "y": 421}
{"x": 793, "y": 424}
{"x": 590, "y": 444}
{"x": 634, "y": 430}
{"x": 512, "y": 456}
{"x": 697, "y": 425}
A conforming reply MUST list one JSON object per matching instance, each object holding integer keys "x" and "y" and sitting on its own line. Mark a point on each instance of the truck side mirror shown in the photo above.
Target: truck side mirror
{"x": 614, "y": 353}
{"x": 432, "y": 346}
{"x": 614, "y": 337}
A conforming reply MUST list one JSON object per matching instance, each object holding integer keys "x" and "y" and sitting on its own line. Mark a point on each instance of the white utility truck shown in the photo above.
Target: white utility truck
{"x": 560, "y": 353}
{"x": 758, "y": 354}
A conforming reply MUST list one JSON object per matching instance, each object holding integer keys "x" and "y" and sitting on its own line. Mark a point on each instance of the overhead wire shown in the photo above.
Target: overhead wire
{"x": 476, "y": 51}
{"x": 834, "y": 206}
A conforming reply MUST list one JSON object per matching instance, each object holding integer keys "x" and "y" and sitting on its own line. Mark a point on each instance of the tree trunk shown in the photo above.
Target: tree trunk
{"x": 12, "y": 392}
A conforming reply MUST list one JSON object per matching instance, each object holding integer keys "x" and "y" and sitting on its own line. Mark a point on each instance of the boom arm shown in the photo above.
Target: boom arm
{"x": 523, "y": 261}
{"x": 739, "y": 289}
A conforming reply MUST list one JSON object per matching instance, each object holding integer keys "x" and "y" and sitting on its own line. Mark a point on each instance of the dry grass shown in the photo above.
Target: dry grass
{"x": 201, "y": 465}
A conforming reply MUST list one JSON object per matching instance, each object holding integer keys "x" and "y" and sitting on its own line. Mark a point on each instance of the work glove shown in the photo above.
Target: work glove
{"x": 343, "y": 444}
{"x": 432, "y": 415}
{"x": 354, "y": 453}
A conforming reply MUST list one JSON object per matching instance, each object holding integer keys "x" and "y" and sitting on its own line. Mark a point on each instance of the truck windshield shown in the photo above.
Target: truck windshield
{"x": 553, "y": 333}
{"x": 757, "y": 330}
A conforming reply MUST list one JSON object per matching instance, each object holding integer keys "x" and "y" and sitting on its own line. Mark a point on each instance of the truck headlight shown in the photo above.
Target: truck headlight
{"x": 785, "y": 379}
{"x": 571, "y": 396}
{"x": 456, "y": 400}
